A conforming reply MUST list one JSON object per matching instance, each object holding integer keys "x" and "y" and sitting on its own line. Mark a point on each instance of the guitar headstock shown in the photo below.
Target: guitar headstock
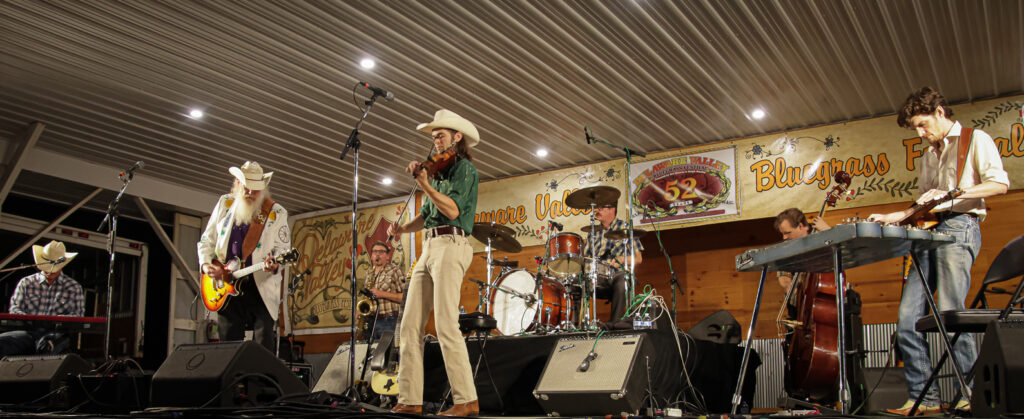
{"x": 288, "y": 257}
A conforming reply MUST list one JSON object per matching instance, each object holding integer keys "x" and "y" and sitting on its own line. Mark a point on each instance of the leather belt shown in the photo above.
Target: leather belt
{"x": 443, "y": 230}
{"x": 945, "y": 215}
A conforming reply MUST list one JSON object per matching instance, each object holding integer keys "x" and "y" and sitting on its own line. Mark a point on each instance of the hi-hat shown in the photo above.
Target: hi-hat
{"x": 502, "y": 238}
{"x": 596, "y": 227}
{"x": 624, "y": 234}
{"x": 597, "y": 195}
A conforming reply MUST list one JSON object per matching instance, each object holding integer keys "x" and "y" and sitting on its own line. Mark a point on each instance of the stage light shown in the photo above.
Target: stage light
{"x": 386, "y": 181}
{"x": 757, "y": 113}
{"x": 195, "y": 113}
{"x": 367, "y": 63}
{"x": 543, "y": 152}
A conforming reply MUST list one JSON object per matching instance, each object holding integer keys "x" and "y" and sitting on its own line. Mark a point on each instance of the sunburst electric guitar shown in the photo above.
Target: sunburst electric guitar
{"x": 217, "y": 291}
{"x": 384, "y": 380}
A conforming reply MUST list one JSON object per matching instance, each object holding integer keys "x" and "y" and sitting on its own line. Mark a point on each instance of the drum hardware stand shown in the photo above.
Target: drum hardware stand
{"x": 538, "y": 279}
{"x": 589, "y": 321}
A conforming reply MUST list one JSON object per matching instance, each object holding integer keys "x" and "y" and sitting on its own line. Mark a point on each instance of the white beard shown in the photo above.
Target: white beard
{"x": 244, "y": 211}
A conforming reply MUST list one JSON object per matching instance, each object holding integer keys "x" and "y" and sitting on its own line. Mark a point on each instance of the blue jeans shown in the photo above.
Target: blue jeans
{"x": 948, "y": 271}
{"x": 381, "y": 325}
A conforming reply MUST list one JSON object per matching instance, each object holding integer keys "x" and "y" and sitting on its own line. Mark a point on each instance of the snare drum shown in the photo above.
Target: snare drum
{"x": 514, "y": 314}
{"x": 566, "y": 255}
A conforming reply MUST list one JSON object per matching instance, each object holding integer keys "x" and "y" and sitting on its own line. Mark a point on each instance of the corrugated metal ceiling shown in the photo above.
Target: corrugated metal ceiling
{"x": 113, "y": 80}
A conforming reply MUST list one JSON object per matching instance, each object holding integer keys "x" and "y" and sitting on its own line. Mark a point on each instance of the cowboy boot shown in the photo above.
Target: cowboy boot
{"x": 404, "y": 408}
{"x": 463, "y": 409}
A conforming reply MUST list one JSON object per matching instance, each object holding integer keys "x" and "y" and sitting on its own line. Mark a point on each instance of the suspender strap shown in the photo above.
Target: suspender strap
{"x": 252, "y": 237}
{"x": 963, "y": 148}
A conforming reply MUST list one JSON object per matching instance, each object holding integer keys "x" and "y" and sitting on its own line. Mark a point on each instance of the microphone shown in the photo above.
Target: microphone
{"x": 131, "y": 170}
{"x": 585, "y": 365}
{"x": 388, "y": 96}
{"x": 557, "y": 225}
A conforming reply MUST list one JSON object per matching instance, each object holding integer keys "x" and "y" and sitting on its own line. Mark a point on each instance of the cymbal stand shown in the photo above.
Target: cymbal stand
{"x": 591, "y": 314}
{"x": 486, "y": 294}
{"x": 540, "y": 328}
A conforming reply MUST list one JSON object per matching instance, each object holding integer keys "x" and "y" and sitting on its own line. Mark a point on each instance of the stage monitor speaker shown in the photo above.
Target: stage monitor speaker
{"x": 228, "y": 374}
{"x": 334, "y": 380}
{"x": 719, "y": 327}
{"x": 39, "y": 379}
{"x": 880, "y": 389}
{"x": 999, "y": 371}
{"x": 574, "y": 382}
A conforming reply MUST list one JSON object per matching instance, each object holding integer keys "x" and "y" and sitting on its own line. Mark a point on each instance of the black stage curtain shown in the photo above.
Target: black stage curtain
{"x": 513, "y": 365}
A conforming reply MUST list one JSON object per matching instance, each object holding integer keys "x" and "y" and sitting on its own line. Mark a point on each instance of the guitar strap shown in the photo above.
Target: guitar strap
{"x": 963, "y": 147}
{"x": 252, "y": 237}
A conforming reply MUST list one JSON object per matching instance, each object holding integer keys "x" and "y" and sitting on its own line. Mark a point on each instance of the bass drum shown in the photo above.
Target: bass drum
{"x": 514, "y": 314}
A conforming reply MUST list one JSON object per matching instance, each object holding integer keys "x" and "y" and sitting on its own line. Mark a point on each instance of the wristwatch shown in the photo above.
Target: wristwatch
{"x": 954, "y": 193}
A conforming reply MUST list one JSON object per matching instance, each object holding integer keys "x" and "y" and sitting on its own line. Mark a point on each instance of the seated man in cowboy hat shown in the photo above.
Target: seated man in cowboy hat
{"x": 613, "y": 253}
{"x": 447, "y": 215}
{"x": 46, "y": 293}
{"x": 246, "y": 225}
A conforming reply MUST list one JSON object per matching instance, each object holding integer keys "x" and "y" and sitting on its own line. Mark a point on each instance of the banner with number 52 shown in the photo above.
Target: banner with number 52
{"x": 685, "y": 188}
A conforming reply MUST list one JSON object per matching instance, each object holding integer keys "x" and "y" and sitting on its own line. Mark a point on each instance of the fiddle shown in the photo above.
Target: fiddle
{"x": 438, "y": 162}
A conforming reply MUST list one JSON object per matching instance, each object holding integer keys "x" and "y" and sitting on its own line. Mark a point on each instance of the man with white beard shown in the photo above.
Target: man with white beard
{"x": 246, "y": 225}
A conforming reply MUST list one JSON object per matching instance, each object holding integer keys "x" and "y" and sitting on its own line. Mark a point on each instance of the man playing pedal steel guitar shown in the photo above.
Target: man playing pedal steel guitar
{"x": 46, "y": 293}
{"x": 247, "y": 225}
{"x": 960, "y": 167}
{"x": 613, "y": 254}
{"x": 386, "y": 282}
{"x": 447, "y": 215}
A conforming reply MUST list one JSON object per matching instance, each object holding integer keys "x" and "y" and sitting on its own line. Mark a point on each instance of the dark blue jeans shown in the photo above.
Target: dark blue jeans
{"x": 381, "y": 325}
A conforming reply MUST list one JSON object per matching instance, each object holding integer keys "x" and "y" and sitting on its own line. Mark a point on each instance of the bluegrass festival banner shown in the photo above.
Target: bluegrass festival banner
{"x": 323, "y": 298}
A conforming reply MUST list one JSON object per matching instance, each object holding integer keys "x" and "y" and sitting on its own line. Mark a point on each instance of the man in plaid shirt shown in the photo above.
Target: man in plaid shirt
{"x": 48, "y": 292}
{"x": 385, "y": 281}
{"x": 612, "y": 253}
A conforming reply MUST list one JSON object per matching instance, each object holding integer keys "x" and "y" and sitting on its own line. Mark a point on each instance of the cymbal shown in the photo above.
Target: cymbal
{"x": 597, "y": 195}
{"x": 624, "y": 234}
{"x": 597, "y": 227}
{"x": 502, "y": 238}
{"x": 502, "y": 262}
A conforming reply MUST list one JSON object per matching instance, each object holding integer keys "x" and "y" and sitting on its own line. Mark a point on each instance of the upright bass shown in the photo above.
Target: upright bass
{"x": 811, "y": 333}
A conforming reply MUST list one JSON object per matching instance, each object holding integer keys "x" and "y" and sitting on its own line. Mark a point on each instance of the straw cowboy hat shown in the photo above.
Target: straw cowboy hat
{"x": 448, "y": 119}
{"x": 251, "y": 175}
{"x": 47, "y": 256}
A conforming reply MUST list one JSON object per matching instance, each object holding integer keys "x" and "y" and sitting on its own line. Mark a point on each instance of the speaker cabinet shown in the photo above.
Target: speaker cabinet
{"x": 39, "y": 380}
{"x": 999, "y": 371}
{"x": 334, "y": 380}
{"x": 719, "y": 327}
{"x": 574, "y": 383}
{"x": 229, "y": 374}
{"x": 881, "y": 388}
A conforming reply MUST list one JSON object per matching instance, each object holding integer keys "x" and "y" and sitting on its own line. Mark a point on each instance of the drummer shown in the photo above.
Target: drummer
{"x": 612, "y": 253}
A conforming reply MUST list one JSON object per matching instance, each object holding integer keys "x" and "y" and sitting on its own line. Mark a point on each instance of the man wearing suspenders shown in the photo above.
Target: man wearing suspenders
{"x": 960, "y": 168}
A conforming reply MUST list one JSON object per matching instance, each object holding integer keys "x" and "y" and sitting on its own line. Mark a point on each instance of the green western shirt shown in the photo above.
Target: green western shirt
{"x": 459, "y": 183}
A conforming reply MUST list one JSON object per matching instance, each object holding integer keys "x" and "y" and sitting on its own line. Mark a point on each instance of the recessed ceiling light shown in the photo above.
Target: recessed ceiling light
{"x": 757, "y": 113}
{"x": 195, "y": 113}
{"x": 386, "y": 181}
{"x": 542, "y": 152}
{"x": 367, "y": 63}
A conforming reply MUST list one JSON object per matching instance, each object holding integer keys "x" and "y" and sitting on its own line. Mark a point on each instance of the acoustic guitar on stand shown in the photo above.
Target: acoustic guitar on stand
{"x": 217, "y": 291}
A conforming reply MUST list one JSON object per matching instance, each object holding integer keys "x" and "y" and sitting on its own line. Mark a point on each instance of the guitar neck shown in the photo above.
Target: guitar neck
{"x": 246, "y": 271}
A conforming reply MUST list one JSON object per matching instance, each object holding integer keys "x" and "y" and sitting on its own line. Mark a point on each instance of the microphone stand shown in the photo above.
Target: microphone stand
{"x": 111, "y": 218}
{"x": 673, "y": 282}
{"x": 631, "y": 248}
{"x": 353, "y": 144}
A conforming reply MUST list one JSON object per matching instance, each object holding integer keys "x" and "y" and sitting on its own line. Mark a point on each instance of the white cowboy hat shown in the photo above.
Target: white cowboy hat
{"x": 448, "y": 119}
{"x": 47, "y": 257}
{"x": 251, "y": 175}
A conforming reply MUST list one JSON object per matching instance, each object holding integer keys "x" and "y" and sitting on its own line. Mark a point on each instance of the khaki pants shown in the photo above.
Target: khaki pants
{"x": 436, "y": 283}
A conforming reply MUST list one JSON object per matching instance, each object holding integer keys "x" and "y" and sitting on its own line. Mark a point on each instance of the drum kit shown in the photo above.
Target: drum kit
{"x": 544, "y": 301}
